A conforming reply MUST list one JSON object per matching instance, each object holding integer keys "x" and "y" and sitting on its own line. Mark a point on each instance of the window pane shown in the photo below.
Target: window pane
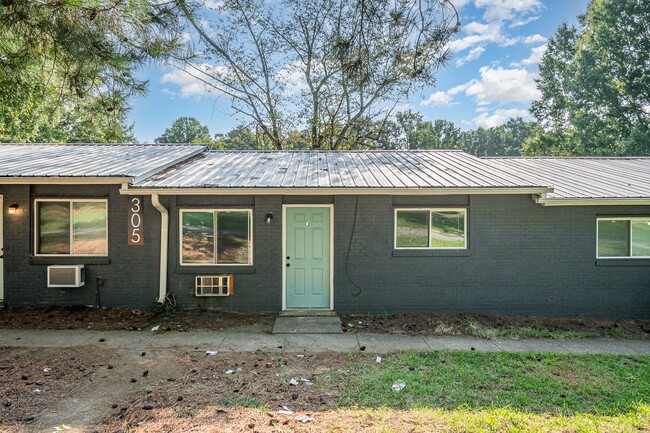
{"x": 232, "y": 237}
{"x": 54, "y": 227}
{"x": 198, "y": 237}
{"x": 641, "y": 238}
{"x": 447, "y": 229}
{"x": 613, "y": 238}
{"x": 412, "y": 229}
{"x": 89, "y": 228}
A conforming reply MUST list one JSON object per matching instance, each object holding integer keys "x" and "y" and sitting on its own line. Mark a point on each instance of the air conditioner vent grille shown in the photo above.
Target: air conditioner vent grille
{"x": 214, "y": 285}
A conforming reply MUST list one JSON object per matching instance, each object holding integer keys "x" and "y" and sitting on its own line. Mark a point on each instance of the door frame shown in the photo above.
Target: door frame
{"x": 284, "y": 250}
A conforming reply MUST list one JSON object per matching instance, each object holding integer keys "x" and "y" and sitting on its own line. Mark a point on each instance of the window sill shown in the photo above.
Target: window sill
{"x": 214, "y": 269}
{"x": 431, "y": 253}
{"x": 74, "y": 260}
{"x": 622, "y": 262}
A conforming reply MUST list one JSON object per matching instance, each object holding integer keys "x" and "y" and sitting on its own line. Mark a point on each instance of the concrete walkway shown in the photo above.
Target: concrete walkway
{"x": 295, "y": 343}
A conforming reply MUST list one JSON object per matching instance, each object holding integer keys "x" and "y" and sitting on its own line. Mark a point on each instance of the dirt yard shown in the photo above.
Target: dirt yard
{"x": 97, "y": 388}
{"x": 93, "y": 388}
{"x": 498, "y": 326}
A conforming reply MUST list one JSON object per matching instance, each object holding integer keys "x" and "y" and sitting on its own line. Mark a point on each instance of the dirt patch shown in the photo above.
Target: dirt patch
{"x": 129, "y": 388}
{"x": 495, "y": 326}
{"x": 34, "y": 379}
{"x": 108, "y": 319}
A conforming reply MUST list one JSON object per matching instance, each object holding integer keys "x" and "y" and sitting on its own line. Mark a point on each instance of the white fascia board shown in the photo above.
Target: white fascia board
{"x": 72, "y": 180}
{"x": 621, "y": 201}
{"x": 332, "y": 191}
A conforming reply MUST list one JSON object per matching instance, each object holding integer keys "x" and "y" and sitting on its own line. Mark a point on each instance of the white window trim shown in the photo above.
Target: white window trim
{"x": 629, "y": 256}
{"x": 431, "y": 209}
{"x": 71, "y": 201}
{"x": 214, "y": 216}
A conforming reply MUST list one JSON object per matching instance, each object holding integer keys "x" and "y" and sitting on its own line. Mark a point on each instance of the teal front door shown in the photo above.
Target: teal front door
{"x": 307, "y": 258}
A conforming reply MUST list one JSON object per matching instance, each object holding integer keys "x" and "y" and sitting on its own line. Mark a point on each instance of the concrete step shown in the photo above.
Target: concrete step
{"x": 330, "y": 324}
{"x": 308, "y": 313}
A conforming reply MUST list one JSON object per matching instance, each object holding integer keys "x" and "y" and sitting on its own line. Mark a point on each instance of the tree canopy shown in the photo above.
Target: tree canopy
{"x": 332, "y": 68}
{"x": 185, "y": 130}
{"x": 67, "y": 63}
{"x": 595, "y": 84}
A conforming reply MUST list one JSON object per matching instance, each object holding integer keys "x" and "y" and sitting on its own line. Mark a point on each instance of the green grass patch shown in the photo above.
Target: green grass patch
{"x": 550, "y": 383}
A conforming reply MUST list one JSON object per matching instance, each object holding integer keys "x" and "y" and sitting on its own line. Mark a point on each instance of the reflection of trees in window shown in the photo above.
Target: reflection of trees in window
{"x": 72, "y": 227}
{"x": 233, "y": 239}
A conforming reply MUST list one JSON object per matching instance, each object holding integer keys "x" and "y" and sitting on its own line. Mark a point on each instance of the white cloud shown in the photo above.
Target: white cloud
{"x": 193, "y": 80}
{"x": 213, "y": 4}
{"x": 478, "y": 33}
{"x": 473, "y": 54}
{"x": 496, "y": 10}
{"x": 442, "y": 98}
{"x": 523, "y": 21}
{"x": 503, "y": 86}
{"x": 535, "y": 56}
{"x": 293, "y": 78}
{"x": 439, "y": 98}
{"x": 534, "y": 39}
{"x": 499, "y": 117}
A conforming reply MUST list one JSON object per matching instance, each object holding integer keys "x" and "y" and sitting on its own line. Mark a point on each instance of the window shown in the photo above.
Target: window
{"x": 623, "y": 237}
{"x": 71, "y": 227}
{"x": 431, "y": 228}
{"x": 216, "y": 237}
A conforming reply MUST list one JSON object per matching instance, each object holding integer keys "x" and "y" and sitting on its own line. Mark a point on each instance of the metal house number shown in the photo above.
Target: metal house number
{"x": 136, "y": 221}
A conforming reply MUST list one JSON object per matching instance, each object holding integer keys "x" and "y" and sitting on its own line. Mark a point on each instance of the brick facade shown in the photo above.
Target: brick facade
{"x": 523, "y": 258}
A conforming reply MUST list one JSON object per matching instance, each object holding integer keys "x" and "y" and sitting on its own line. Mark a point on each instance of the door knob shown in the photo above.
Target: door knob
{"x": 288, "y": 265}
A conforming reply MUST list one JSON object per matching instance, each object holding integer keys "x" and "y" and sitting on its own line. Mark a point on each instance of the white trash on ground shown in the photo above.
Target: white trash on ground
{"x": 210, "y": 352}
{"x": 398, "y": 385}
{"x": 293, "y": 382}
{"x": 303, "y": 418}
{"x": 155, "y": 328}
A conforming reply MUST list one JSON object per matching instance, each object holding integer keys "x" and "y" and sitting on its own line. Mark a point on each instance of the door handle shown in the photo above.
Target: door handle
{"x": 288, "y": 264}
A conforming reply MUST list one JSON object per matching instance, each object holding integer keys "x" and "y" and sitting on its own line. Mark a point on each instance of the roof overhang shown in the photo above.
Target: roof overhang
{"x": 129, "y": 190}
{"x": 612, "y": 201}
{"x": 59, "y": 180}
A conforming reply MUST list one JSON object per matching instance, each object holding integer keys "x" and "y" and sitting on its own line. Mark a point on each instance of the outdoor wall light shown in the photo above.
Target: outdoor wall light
{"x": 269, "y": 218}
{"x": 13, "y": 208}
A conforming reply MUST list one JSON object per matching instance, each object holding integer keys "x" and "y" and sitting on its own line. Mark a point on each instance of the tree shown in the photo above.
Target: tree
{"x": 343, "y": 64}
{"x": 185, "y": 130}
{"x": 60, "y": 57}
{"x": 595, "y": 84}
{"x": 502, "y": 140}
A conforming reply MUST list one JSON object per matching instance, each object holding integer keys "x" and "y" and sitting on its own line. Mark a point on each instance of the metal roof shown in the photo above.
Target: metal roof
{"x": 137, "y": 161}
{"x": 582, "y": 177}
{"x": 336, "y": 169}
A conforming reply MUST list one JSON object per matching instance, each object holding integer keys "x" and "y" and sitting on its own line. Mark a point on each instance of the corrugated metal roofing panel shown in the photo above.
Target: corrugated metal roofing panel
{"x": 582, "y": 177}
{"x": 337, "y": 169}
{"x": 91, "y": 160}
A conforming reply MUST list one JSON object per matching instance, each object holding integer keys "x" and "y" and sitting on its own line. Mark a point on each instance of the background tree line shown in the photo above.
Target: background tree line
{"x": 408, "y": 130}
{"x": 68, "y": 70}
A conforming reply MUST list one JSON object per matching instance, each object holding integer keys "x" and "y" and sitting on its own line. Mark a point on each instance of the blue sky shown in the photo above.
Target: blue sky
{"x": 488, "y": 80}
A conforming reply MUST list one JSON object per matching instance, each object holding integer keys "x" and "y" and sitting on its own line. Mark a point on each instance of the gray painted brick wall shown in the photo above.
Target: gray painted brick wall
{"x": 523, "y": 258}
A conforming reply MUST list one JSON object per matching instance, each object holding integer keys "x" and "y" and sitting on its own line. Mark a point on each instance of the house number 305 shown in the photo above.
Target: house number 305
{"x": 136, "y": 221}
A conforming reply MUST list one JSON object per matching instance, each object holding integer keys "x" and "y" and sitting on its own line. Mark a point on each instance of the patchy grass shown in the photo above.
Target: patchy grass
{"x": 476, "y": 329}
{"x": 445, "y": 392}
{"x": 549, "y": 383}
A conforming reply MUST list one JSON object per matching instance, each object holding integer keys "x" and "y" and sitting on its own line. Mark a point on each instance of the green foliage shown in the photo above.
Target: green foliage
{"x": 67, "y": 67}
{"x": 185, "y": 130}
{"x": 595, "y": 84}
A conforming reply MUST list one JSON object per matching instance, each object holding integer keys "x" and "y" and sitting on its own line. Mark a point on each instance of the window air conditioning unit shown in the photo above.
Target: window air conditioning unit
{"x": 66, "y": 276}
{"x": 214, "y": 285}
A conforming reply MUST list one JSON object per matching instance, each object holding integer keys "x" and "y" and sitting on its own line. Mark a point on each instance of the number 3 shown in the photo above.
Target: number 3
{"x": 136, "y": 204}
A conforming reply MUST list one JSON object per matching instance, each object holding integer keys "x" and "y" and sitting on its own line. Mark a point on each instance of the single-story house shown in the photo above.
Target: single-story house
{"x": 349, "y": 231}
